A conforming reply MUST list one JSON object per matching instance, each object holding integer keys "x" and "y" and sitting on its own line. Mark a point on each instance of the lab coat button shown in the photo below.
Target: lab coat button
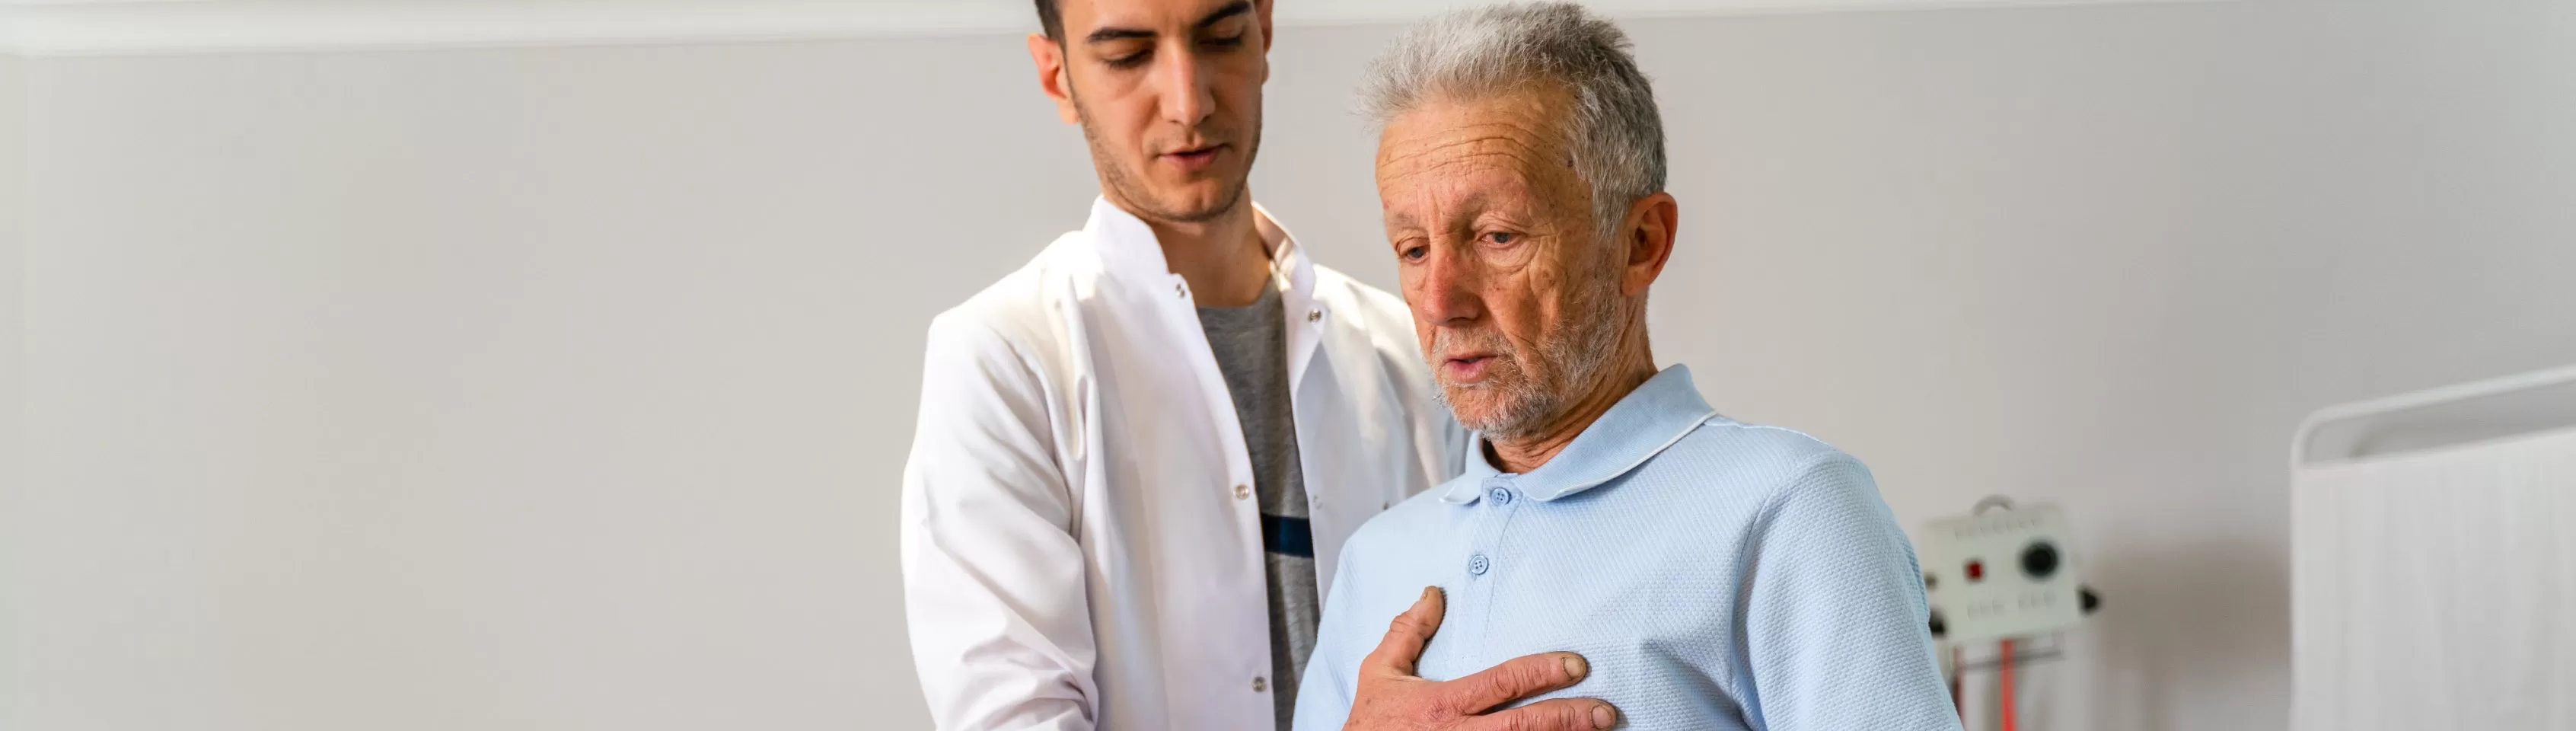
{"x": 1242, "y": 493}
{"x": 1259, "y": 685}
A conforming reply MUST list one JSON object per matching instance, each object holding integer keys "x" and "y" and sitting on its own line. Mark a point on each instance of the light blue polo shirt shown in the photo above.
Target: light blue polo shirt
{"x": 1717, "y": 574}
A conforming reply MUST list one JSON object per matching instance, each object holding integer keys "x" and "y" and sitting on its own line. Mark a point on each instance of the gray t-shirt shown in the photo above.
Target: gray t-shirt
{"x": 1251, "y": 345}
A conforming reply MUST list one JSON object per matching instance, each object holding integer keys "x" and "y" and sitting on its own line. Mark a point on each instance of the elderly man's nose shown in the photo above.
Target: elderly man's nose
{"x": 1449, "y": 290}
{"x": 1187, "y": 99}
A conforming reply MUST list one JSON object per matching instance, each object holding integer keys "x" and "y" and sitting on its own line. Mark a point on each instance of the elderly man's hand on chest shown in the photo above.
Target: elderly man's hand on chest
{"x": 1392, "y": 698}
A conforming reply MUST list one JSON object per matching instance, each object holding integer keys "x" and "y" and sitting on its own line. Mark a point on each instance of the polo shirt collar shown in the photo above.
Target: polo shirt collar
{"x": 1643, "y": 423}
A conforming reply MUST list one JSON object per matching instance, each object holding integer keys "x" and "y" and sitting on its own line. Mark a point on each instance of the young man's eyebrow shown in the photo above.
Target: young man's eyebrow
{"x": 1232, "y": 9}
{"x": 1116, "y": 34}
{"x": 1238, "y": 7}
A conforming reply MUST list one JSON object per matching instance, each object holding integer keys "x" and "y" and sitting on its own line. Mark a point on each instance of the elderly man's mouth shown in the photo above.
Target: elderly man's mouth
{"x": 1466, "y": 367}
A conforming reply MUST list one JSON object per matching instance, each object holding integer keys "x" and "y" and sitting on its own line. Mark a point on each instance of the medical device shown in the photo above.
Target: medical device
{"x": 2003, "y": 575}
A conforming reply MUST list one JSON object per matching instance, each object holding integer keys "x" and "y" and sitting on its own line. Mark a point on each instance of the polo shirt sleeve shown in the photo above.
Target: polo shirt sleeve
{"x": 1834, "y": 619}
{"x": 1324, "y": 695}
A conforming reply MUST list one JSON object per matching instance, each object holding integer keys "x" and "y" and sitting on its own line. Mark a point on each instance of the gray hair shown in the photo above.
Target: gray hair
{"x": 1616, "y": 134}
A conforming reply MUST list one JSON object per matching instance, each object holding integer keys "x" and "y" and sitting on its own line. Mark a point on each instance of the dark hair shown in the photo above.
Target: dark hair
{"x": 1051, "y": 17}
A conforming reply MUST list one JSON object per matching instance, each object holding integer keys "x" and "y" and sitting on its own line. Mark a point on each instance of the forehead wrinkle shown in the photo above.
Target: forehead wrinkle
{"x": 1458, "y": 165}
{"x": 1508, "y": 133}
{"x": 1456, "y": 157}
{"x": 1469, "y": 148}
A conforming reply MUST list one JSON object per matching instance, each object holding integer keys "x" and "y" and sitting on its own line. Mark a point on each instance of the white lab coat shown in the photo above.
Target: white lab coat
{"x": 1081, "y": 548}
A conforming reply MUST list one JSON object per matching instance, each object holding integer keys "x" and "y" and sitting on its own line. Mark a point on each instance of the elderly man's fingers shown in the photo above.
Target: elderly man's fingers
{"x": 1560, "y": 714}
{"x": 1406, "y": 636}
{"x": 1517, "y": 678}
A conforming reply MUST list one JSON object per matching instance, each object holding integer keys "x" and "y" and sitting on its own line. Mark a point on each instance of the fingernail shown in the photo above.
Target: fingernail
{"x": 1426, "y": 591}
{"x": 1575, "y": 666}
{"x": 1603, "y": 717}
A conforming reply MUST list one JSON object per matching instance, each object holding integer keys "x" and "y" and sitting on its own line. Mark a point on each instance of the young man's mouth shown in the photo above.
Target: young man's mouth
{"x": 1194, "y": 159}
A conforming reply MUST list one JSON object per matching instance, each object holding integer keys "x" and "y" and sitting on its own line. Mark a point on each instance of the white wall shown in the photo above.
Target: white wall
{"x": 2110, "y": 257}
{"x": 568, "y": 388}
{"x": 495, "y": 389}
{"x": 13, "y": 115}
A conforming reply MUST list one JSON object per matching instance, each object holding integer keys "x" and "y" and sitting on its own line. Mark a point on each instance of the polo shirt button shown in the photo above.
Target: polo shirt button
{"x": 1501, "y": 495}
{"x": 1477, "y": 564}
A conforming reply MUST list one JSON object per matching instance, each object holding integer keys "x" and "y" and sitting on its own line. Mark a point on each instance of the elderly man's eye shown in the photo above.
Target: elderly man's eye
{"x": 1414, "y": 253}
{"x": 1502, "y": 237}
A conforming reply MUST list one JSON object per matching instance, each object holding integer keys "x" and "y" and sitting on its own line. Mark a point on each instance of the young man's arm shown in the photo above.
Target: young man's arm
{"x": 993, "y": 578}
{"x": 1835, "y": 625}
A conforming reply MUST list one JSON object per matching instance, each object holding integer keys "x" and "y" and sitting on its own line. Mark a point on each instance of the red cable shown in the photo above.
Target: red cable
{"x": 2004, "y": 687}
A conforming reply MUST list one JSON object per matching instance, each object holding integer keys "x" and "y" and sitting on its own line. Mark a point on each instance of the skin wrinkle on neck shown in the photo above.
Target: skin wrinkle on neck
{"x": 1614, "y": 382}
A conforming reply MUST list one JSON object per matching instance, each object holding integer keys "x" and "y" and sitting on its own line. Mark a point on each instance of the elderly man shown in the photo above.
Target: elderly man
{"x": 1716, "y": 574}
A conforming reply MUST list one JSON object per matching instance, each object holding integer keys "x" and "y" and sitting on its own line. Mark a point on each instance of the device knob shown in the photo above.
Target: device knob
{"x": 2039, "y": 560}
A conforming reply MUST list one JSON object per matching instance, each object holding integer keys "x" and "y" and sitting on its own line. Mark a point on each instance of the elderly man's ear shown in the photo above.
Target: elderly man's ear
{"x": 1648, "y": 235}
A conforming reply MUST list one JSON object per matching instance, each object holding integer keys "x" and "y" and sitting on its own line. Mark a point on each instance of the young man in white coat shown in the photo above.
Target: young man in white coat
{"x": 1138, "y": 456}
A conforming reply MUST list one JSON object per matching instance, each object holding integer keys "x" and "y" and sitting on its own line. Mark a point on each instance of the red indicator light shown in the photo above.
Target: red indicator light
{"x": 1976, "y": 570}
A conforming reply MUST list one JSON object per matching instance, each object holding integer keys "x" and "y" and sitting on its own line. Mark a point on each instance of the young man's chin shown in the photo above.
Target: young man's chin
{"x": 1196, "y": 202}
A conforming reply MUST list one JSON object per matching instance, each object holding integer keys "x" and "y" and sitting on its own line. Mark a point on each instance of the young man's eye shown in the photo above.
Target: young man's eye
{"x": 1226, "y": 42}
{"x": 1128, "y": 61}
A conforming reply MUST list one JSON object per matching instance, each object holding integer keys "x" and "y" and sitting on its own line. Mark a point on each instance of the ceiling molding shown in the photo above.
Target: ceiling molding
{"x": 151, "y": 27}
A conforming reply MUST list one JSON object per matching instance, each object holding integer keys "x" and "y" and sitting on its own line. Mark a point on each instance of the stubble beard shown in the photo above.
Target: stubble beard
{"x": 1527, "y": 395}
{"x": 1130, "y": 185}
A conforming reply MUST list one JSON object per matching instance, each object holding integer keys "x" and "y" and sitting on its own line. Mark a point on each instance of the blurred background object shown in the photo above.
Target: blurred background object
{"x": 2432, "y": 564}
{"x": 2000, "y": 581}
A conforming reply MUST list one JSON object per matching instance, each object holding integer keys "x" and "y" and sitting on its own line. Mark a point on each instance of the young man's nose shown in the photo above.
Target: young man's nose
{"x": 1186, "y": 94}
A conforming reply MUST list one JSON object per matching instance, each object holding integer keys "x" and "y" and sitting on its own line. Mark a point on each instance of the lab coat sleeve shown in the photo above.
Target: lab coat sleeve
{"x": 993, "y": 577}
{"x": 1835, "y": 624}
